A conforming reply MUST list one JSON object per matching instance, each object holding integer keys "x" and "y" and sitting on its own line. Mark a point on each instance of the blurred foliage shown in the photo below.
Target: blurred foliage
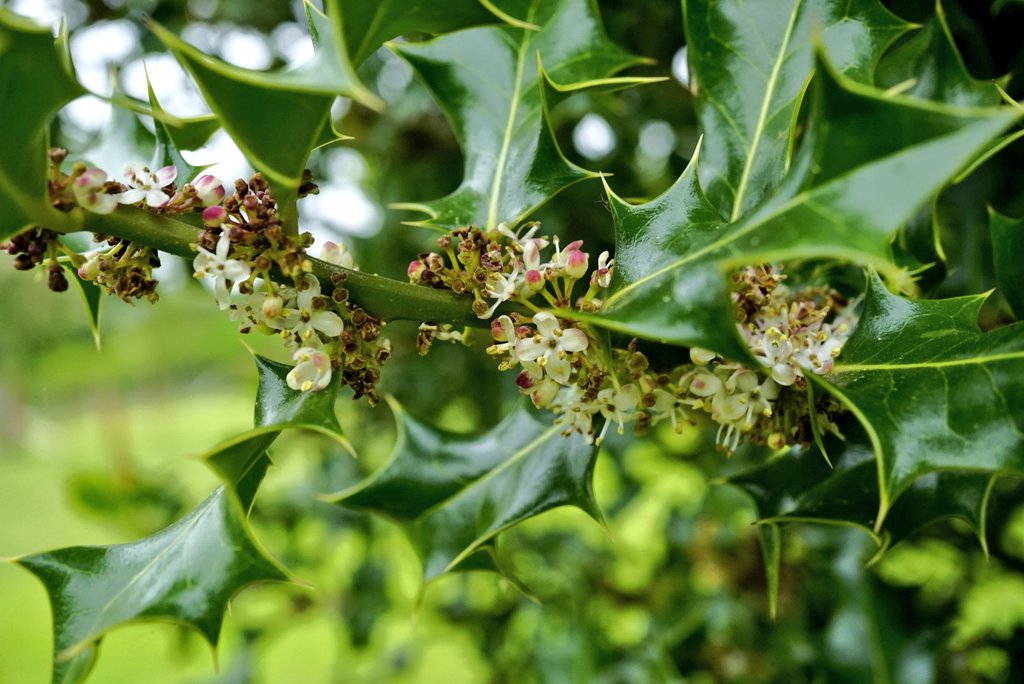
{"x": 672, "y": 591}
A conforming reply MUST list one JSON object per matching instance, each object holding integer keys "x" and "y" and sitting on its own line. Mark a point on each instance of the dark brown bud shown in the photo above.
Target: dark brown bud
{"x": 56, "y": 278}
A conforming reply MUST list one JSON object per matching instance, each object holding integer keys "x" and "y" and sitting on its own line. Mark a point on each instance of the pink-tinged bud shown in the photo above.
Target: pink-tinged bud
{"x": 415, "y": 271}
{"x": 577, "y": 263}
{"x": 337, "y": 254}
{"x": 535, "y": 280}
{"x": 209, "y": 190}
{"x": 214, "y": 216}
{"x": 88, "y": 191}
{"x": 574, "y": 246}
{"x": 91, "y": 268}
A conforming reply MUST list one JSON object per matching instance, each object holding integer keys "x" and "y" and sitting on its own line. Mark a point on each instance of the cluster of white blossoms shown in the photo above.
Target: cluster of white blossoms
{"x": 563, "y": 367}
{"x": 242, "y": 243}
{"x": 94, "y": 190}
{"x": 260, "y": 272}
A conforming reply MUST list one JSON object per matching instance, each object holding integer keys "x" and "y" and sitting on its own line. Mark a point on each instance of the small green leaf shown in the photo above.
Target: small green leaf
{"x": 751, "y": 63}
{"x": 369, "y": 24}
{"x": 867, "y": 164}
{"x": 491, "y": 84}
{"x": 278, "y": 408}
{"x": 276, "y": 118}
{"x": 455, "y": 493}
{"x": 92, "y": 298}
{"x": 186, "y": 573}
{"x": 932, "y": 391}
{"x": 1007, "y": 248}
{"x": 34, "y": 84}
{"x": 929, "y": 66}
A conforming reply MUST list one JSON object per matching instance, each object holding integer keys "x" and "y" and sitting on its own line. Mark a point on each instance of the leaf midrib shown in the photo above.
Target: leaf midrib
{"x": 762, "y": 118}
{"x": 975, "y": 360}
{"x": 506, "y": 142}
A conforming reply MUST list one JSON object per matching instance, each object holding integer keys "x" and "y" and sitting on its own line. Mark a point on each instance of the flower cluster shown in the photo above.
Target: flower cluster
{"x": 562, "y": 366}
{"x": 125, "y": 269}
{"x": 242, "y": 245}
{"x": 122, "y": 268}
{"x": 155, "y": 190}
{"x": 501, "y": 266}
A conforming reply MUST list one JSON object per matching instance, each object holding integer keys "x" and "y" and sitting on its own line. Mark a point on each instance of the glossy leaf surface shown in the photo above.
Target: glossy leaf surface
{"x": 278, "y": 408}
{"x": 800, "y": 487}
{"x": 34, "y": 84}
{"x": 455, "y": 493}
{"x": 1007, "y": 248}
{"x": 370, "y": 23}
{"x": 929, "y": 66}
{"x": 186, "y": 573}
{"x": 849, "y": 189}
{"x": 933, "y": 392}
{"x": 751, "y": 63}
{"x": 491, "y": 84}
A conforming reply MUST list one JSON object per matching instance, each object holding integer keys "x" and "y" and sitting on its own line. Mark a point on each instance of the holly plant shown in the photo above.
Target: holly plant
{"x": 796, "y": 293}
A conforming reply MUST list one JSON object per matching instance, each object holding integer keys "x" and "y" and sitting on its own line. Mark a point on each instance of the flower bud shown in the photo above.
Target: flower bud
{"x": 272, "y": 306}
{"x": 338, "y": 255}
{"x": 89, "y": 192}
{"x": 91, "y": 268}
{"x": 209, "y": 190}
{"x": 576, "y": 263}
{"x": 214, "y": 216}
{"x": 415, "y": 270}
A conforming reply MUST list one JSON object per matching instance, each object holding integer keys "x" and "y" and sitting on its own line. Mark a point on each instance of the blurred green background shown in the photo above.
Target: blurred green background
{"x": 99, "y": 447}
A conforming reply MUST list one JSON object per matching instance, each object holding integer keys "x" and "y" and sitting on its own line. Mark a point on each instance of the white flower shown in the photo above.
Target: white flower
{"x": 502, "y": 287}
{"x": 88, "y": 190}
{"x": 744, "y": 399}
{"x": 777, "y": 352}
{"x": 312, "y": 372}
{"x": 222, "y": 269}
{"x": 667, "y": 405}
{"x": 145, "y": 185}
{"x": 617, "y": 405}
{"x": 576, "y": 414}
{"x": 338, "y": 254}
{"x": 304, "y": 319}
{"x": 551, "y": 345}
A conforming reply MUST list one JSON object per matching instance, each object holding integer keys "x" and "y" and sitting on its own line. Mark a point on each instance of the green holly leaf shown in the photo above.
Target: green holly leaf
{"x": 800, "y": 487}
{"x": 455, "y": 493}
{"x": 34, "y": 84}
{"x": 1007, "y": 246}
{"x": 492, "y": 83}
{"x": 932, "y": 391}
{"x": 929, "y": 66}
{"x": 278, "y": 408}
{"x": 277, "y": 118}
{"x": 369, "y": 24}
{"x": 751, "y": 63}
{"x": 186, "y": 573}
{"x": 867, "y": 163}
